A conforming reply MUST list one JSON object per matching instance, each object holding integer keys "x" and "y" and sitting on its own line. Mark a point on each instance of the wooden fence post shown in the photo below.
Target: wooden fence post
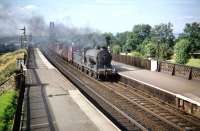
{"x": 173, "y": 70}
{"x": 159, "y": 66}
{"x": 190, "y": 74}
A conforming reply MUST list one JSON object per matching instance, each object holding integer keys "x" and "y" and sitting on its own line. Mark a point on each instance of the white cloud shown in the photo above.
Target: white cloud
{"x": 30, "y": 7}
{"x": 114, "y": 2}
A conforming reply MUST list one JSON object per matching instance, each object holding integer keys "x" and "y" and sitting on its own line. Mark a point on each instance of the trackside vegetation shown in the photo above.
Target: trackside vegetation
{"x": 8, "y": 92}
{"x": 7, "y": 109}
{"x": 8, "y": 63}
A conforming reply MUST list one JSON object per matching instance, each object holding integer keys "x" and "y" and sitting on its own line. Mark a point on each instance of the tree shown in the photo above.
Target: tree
{"x": 143, "y": 30}
{"x": 137, "y": 36}
{"x": 164, "y": 34}
{"x": 126, "y": 48}
{"x": 192, "y": 33}
{"x": 116, "y": 49}
{"x": 141, "y": 47}
{"x": 150, "y": 49}
{"x": 109, "y": 38}
{"x": 121, "y": 38}
{"x": 182, "y": 51}
{"x": 165, "y": 51}
{"x": 131, "y": 41}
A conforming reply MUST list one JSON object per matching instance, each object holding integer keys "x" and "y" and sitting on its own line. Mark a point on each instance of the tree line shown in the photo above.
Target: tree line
{"x": 157, "y": 42}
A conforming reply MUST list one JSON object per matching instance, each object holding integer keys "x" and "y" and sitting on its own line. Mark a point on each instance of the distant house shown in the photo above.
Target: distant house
{"x": 195, "y": 54}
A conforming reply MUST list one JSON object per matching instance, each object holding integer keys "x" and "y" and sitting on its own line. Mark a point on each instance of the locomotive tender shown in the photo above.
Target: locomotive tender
{"x": 94, "y": 61}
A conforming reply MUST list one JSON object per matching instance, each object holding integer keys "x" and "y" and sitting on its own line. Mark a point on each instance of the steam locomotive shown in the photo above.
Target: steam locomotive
{"x": 94, "y": 61}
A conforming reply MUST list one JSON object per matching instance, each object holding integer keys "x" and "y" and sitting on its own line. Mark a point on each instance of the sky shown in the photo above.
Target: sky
{"x": 112, "y": 15}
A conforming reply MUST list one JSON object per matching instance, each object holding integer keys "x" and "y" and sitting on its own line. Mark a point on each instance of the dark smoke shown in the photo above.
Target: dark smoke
{"x": 12, "y": 18}
{"x": 79, "y": 36}
{"x": 37, "y": 26}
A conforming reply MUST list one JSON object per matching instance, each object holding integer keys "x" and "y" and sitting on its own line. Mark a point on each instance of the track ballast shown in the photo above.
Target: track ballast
{"x": 128, "y": 107}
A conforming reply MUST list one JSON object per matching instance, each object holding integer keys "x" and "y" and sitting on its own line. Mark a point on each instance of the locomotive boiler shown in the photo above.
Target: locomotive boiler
{"x": 98, "y": 60}
{"x": 94, "y": 61}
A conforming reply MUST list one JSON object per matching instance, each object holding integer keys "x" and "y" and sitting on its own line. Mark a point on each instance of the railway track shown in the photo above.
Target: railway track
{"x": 177, "y": 119}
{"x": 132, "y": 109}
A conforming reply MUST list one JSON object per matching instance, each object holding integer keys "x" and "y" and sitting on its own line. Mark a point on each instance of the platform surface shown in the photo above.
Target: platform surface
{"x": 53, "y": 103}
{"x": 188, "y": 90}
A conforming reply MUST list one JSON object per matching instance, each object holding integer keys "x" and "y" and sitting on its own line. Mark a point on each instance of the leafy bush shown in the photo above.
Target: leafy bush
{"x": 141, "y": 47}
{"x": 150, "y": 49}
{"x": 136, "y": 54}
{"x": 165, "y": 52}
{"x": 182, "y": 51}
{"x": 126, "y": 48}
{"x": 116, "y": 49}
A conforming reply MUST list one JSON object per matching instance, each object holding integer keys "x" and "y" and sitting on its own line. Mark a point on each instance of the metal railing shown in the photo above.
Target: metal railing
{"x": 188, "y": 72}
{"x": 21, "y": 85}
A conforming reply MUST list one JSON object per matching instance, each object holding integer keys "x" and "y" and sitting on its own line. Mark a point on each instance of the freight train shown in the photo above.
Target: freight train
{"x": 96, "y": 62}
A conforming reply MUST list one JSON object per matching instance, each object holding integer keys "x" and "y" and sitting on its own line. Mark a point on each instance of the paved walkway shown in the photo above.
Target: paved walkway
{"x": 53, "y": 103}
{"x": 188, "y": 90}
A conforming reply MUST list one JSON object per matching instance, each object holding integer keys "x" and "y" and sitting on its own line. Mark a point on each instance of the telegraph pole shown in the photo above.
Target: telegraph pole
{"x": 23, "y": 39}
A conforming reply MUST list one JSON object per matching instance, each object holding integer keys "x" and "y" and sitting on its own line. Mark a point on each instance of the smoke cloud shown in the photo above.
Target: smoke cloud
{"x": 13, "y": 18}
{"x": 85, "y": 37}
{"x": 8, "y": 25}
{"x": 37, "y": 26}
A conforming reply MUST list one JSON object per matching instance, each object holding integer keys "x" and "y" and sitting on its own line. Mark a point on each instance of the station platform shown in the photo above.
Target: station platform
{"x": 188, "y": 90}
{"x": 52, "y": 103}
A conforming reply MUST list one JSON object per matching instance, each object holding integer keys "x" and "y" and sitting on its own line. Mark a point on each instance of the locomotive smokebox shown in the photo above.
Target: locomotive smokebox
{"x": 100, "y": 57}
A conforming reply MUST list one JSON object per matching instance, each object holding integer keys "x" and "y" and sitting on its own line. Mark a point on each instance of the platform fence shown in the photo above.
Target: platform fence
{"x": 188, "y": 72}
{"x": 134, "y": 61}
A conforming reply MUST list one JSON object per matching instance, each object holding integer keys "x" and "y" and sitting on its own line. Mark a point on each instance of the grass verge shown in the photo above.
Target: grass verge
{"x": 9, "y": 96}
{"x": 7, "y": 109}
{"x": 8, "y": 63}
{"x": 194, "y": 62}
